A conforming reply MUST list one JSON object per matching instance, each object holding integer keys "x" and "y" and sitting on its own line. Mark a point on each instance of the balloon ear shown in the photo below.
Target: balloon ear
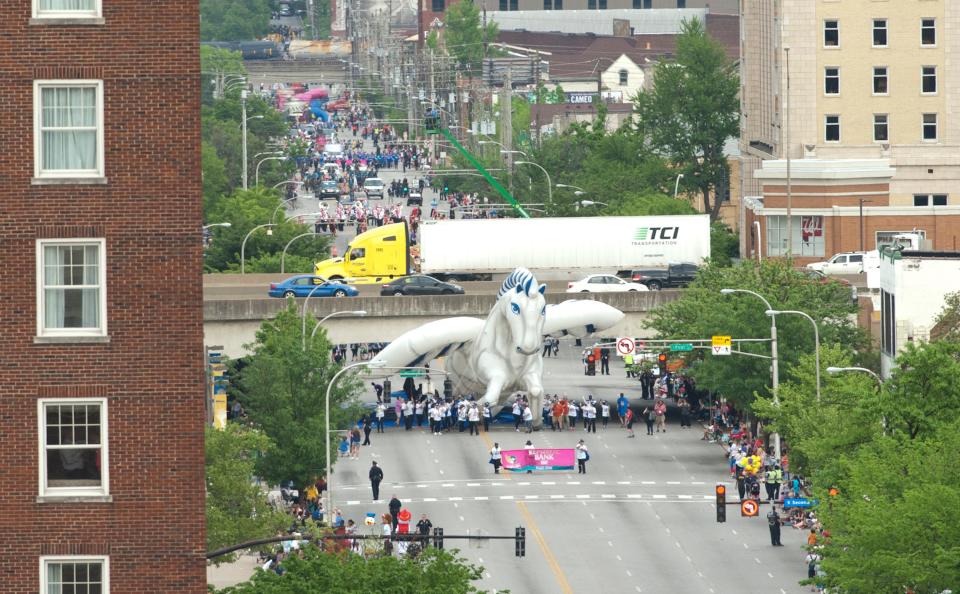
{"x": 543, "y": 289}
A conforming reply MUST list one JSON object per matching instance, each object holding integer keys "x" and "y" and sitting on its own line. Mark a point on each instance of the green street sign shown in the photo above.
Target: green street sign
{"x": 681, "y": 346}
{"x": 413, "y": 373}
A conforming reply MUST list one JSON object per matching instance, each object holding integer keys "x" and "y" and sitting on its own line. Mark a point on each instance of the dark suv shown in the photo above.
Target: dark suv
{"x": 675, "y": 275}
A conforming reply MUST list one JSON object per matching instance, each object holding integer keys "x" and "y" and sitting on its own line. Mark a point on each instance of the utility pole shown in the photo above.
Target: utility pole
{"x": 787, "y": 147}
{"x": 506, "y": 115}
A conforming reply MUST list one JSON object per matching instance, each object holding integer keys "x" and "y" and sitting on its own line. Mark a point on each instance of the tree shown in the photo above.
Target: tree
{"x": 893, "y": 521}
{"x": 702, "y": 312}
{"x": 724, "y": 244}
{"x": 924, "y": 392}
{"x": 283, "y": 389}
{"x": 691, "y": 111}
{"x": 246, "y": 209}
{"x": 465, "y": 36}
{"x": 947, "y": 324}
{"x": 434, "y": 571}
{"x": 234, "y": 20}
{"x": 214, "y": 175}
{"x": 237, "y": 509}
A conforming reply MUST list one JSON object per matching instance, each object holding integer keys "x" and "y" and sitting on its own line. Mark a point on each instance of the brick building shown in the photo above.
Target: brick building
{"x": 101, "y": 363}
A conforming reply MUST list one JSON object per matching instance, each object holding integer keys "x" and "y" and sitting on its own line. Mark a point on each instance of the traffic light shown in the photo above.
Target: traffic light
{"x": 447, "y": 389}
{"x": 438, "y": 538}
{"x": 662, "y": 362}
{"x": 521, "y": 542}
{"x": 721, "y": 491}
{"x": 386, "y": 391}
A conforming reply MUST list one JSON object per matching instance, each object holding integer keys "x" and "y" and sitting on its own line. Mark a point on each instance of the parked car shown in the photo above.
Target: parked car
{"x": 675, "y": 275}
{"x": 329, "y": 189}
{"x": 374, "y": 186}
{"x": 420, "y": 284}
{"x": 603, "y": 283}
{"x": 843, "y": 263}
{"x": 302, "y": 285}
{"x": 414, "y": 198}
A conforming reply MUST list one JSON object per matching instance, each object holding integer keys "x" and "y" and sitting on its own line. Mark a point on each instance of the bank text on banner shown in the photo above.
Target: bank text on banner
{"x": 539, "y": 459}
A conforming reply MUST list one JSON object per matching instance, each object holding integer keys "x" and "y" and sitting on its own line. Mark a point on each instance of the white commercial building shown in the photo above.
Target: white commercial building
{"x": 913, "y": 286}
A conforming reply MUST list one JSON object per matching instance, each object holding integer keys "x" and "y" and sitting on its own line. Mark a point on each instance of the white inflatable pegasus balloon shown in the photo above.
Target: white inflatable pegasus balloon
{"x": 501, "y": 354}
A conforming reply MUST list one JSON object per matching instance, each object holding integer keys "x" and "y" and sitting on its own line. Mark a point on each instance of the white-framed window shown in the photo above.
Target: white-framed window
{"x": 67, "y": 9}
{"x": 68, "y": 128}
{"x": 831, "y": 33}
{"x": 928, "y": 32}
{"x": 75, "y": 574}
{"x": 73, "y": 447}
{"x": 831, "y": 80}
{"x": 831, "y": 128}
{"x": 930, "y": 125}
{"x": 71, "y": 288}
{"x": 881, "y": 127}
{"x": 879, "y": 32}
{"x": 881, "y": 81}
{"x": 928, "y": 80}
{"x": 808, "y": 236}
{"x": 624, "y": 77}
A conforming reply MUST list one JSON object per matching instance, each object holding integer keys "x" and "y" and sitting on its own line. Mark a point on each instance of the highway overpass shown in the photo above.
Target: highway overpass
{"x": 233, "y": 323}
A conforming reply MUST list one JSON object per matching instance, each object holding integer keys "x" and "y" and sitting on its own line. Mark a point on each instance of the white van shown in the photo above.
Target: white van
{"x": 374, "y": 186}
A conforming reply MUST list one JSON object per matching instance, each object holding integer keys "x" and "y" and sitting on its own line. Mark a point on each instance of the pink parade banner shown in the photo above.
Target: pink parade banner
{"x": 538, "y": 459}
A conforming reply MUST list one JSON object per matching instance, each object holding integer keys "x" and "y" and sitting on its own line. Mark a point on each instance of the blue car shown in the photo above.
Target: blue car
{"x": 302, "y": 285}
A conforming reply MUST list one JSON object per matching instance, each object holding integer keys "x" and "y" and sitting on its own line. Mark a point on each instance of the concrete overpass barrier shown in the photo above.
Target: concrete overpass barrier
{"x": 234, "y": 322}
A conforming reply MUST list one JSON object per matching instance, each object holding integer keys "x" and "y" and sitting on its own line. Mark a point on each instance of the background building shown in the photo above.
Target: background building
{"x": 101, "y": 363}
{"x": 872, "y": 107}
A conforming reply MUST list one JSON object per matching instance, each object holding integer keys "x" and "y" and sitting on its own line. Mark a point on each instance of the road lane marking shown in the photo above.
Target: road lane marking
{"x": 608, "y": 496}
{"x": 634, "y": 496}
{"x": 545, "y": 548}
{"x": 353, "y": 503}
{"x": 610, "y": 543}
{"x": 757, "y": 560}
{"x": 524, "y": 484}
{"x": 648, "y": 482}
{"x": 461, "y": 519}
{"x": 573, "y": 482}
{"x": 770, "y": 574}
{"x": 685, "y": 496}
{"x": 531, "y": 497}
{"x": 619, "y": 558}
{"x": 623, "y": 482}
{"x": 629, "y": 574}
{"x": 481, "y": 498}
{"x": 583, "y": 497}
{"x": 474, "y": 485}
{"x": 441, "y": 472}
{"x": 674, "y": 483}
{"x": 447, "y": 485}
{"x": 659, "y": 496}
{"x": 506, "y": 497}
{"x": 428, "y": 499}
{"x": 593, "y": 517}
{"x": 600, "y": 528}
{"x": 557, "y": 496}
{"x": 599, "y": 482}
{"x": 456, "y": 499}
{"x": 422, "y": 486}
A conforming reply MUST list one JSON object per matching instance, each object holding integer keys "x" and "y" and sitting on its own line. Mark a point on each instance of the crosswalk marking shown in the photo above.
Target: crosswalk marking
{"x": 555, "y": 497}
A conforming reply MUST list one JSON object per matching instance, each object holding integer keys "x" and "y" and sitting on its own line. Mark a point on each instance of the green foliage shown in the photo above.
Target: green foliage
{"x": 924, "y": 391}
{"x": 283, "y": 390}
{"x": 947, "y": 323}
{"x": 237, "y": 509}
{"x": 702, "y": 312}
{"x": 893, "y": 524}
{"x": 215, "y": 181}
{"x": 293, "y": 264}
{"x": 611, "y": 167}
{"x": 218, "y": 67}
{"x": 724, "y": 244}
{"x": 847, "y": 416}
{"x": 432, "y": 572}
{"x": 246, "y": 209}
{"x": 691, "y": 110}
{"x": 234, "y": 20}
{"x": 465, "y": 36}
{"x": 639, "y": 205}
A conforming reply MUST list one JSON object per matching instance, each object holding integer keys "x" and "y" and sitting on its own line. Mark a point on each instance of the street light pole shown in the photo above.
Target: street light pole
{"x": 549, "y": 183}
{"x": 243, "y": 246}
{"x": 359, "y": 313}
{"x": 243, "y": 115}
{"x": 283, "y": 254}
{"x": 676, "y": 185}
{"x": 256, "y": 178}
{"x": 774, "y": 357}
{"x": 861, "y": 369}
{"x": 328, "y": 510}
{"x": 816, "y": 338}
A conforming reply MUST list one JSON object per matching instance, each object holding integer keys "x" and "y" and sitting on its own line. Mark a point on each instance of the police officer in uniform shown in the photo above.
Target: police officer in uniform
{"x": 772, "y": 480}
{"x": 773, "y": 519}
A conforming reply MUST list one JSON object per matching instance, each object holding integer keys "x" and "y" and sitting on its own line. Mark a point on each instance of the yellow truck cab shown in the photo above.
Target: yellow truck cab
{"x": 375, "y": 256}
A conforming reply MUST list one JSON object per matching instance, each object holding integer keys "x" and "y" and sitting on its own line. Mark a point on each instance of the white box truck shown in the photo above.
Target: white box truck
{"x": 560, "y": 248}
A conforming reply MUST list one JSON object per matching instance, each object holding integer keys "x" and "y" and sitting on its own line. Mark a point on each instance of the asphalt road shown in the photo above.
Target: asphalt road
{"x": 641, "y": 520}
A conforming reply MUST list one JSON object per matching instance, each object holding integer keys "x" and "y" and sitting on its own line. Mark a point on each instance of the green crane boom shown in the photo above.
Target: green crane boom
{"x": 479, "y": 167}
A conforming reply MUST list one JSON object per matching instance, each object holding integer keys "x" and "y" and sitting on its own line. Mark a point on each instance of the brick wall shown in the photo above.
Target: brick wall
{"x": 151, "y": 370}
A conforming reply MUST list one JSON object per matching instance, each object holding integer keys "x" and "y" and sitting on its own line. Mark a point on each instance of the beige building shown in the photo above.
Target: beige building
{"x": 874, "y": 106}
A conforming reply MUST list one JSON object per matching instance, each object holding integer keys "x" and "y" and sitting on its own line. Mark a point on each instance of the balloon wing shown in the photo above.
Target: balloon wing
{"x": 579, "y": 318}
{"x": 434, "y": 339}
